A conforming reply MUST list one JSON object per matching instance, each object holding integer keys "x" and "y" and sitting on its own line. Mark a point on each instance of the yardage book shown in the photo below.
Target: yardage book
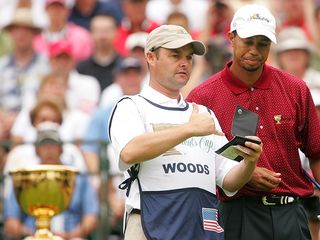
{"x": 244, "y": 123}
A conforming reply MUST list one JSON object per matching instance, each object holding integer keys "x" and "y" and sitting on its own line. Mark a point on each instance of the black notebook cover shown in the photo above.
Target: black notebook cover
{"x": 244, "y": 123}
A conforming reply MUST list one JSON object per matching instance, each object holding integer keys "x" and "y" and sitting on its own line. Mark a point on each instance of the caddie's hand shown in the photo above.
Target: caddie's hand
{"x": 202, "y": 124}
{"x": 264, "y": 179}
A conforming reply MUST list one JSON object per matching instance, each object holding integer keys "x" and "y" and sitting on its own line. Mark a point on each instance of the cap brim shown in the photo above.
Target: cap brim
{"x": 254, "y": 31}
{"x": 197, "y": 46}
{"x": 9, "y": 26}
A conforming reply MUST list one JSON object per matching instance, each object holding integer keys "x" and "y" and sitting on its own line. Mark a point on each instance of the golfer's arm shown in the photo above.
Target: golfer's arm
{"x": 151, "y": 145}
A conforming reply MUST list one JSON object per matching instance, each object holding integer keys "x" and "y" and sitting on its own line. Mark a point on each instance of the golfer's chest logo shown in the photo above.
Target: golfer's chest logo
{"x": 277, "y": 118}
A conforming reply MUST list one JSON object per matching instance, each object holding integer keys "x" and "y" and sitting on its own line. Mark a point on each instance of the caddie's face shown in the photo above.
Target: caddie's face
{"x": 171, "y": 68}
{"x": 250, "y": 53}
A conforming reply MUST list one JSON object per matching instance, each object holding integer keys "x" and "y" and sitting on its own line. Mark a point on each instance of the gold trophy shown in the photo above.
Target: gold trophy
{"x": 44, "y": 191}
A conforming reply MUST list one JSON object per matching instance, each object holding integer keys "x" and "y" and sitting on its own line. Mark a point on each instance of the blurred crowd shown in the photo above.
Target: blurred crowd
{"x": 65, "y": 63}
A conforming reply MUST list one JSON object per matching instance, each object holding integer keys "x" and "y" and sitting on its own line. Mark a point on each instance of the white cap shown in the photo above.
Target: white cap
{"x": 293, "y": 38}
{"x": 137, "y": 39}
{"x": 252, "y": 20}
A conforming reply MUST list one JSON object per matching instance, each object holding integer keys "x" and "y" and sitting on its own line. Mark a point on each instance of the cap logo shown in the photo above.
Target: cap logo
{"x": 257, "y": 16}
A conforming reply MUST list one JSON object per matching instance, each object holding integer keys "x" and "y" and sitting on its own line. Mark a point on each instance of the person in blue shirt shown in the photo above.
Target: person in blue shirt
{"x": 78, "y": 221}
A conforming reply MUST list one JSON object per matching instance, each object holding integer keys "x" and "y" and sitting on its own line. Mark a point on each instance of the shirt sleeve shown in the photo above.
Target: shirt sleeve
{"x": 126, "y": 124}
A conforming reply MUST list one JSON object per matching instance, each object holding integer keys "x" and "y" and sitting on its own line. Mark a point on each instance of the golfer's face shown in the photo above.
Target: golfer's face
{"x": 251, "y": 53}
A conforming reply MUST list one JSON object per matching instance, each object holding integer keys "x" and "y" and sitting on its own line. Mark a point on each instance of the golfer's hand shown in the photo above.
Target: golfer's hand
{"x": 264, "y": 179}
{"x": 202, "y": 124}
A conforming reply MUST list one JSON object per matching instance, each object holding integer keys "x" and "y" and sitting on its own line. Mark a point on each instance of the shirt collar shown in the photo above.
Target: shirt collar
{"x": 157, "y": 97}
{"x": 238, "y": 87}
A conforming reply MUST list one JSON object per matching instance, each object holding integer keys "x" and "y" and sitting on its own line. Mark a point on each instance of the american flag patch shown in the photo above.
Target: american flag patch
{"x": 210, "y": 220}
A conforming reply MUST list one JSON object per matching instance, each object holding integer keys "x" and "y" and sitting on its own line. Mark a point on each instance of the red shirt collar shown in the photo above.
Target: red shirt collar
{"x": 238, "y": 87}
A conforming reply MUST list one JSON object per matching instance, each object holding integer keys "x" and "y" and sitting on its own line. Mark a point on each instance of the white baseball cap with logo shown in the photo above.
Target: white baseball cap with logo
{"x": 172, "y": 37}
{"x": 252, "y": 20}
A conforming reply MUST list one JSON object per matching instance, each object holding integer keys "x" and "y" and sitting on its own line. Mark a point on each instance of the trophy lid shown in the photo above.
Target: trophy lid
{"x": 45, "y": 167}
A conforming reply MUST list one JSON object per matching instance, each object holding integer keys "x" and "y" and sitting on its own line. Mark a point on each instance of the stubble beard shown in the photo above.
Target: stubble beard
{"x": 251, "y": 68}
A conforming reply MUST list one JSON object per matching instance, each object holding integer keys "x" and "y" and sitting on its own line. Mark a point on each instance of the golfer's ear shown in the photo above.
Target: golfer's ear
{"x": 231, "y": 37}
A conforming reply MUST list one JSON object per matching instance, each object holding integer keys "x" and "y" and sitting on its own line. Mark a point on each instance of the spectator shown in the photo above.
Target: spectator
{"x": 135, "y": 44}
{"x": 294, "y": 54}
{"x": 83, "y": 91}
{"x": 134, "y": 20}
{"x": 71, "y": 154}
{"x": 20, "y": 71}
{"x": 79, "y": 220}
{"x": 105, "y": 58}
{"x": 84, "y": 10}
{"x": 128, "y": 81}
{"x": 60, "y": 29}
{"x": 50, "y": 101}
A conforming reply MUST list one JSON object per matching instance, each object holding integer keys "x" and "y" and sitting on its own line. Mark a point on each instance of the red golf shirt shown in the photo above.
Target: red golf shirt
{"x": 288, "y": 121}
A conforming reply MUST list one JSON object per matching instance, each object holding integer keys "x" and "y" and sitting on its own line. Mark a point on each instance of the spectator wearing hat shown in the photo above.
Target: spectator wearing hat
{"x": 83, "y": 90}
{"x": 134, "y": 20}
{"x": 84, "y": 10}
{"x": 128, "y": 81}
{"x": 105, "y": 58}
{"x": 21, "y": 70}
{"x": 60, "y": 29}
{"x": 294, "y": 55}
{"x": 45, "y": 111}
{"x": 79, "y": 220}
